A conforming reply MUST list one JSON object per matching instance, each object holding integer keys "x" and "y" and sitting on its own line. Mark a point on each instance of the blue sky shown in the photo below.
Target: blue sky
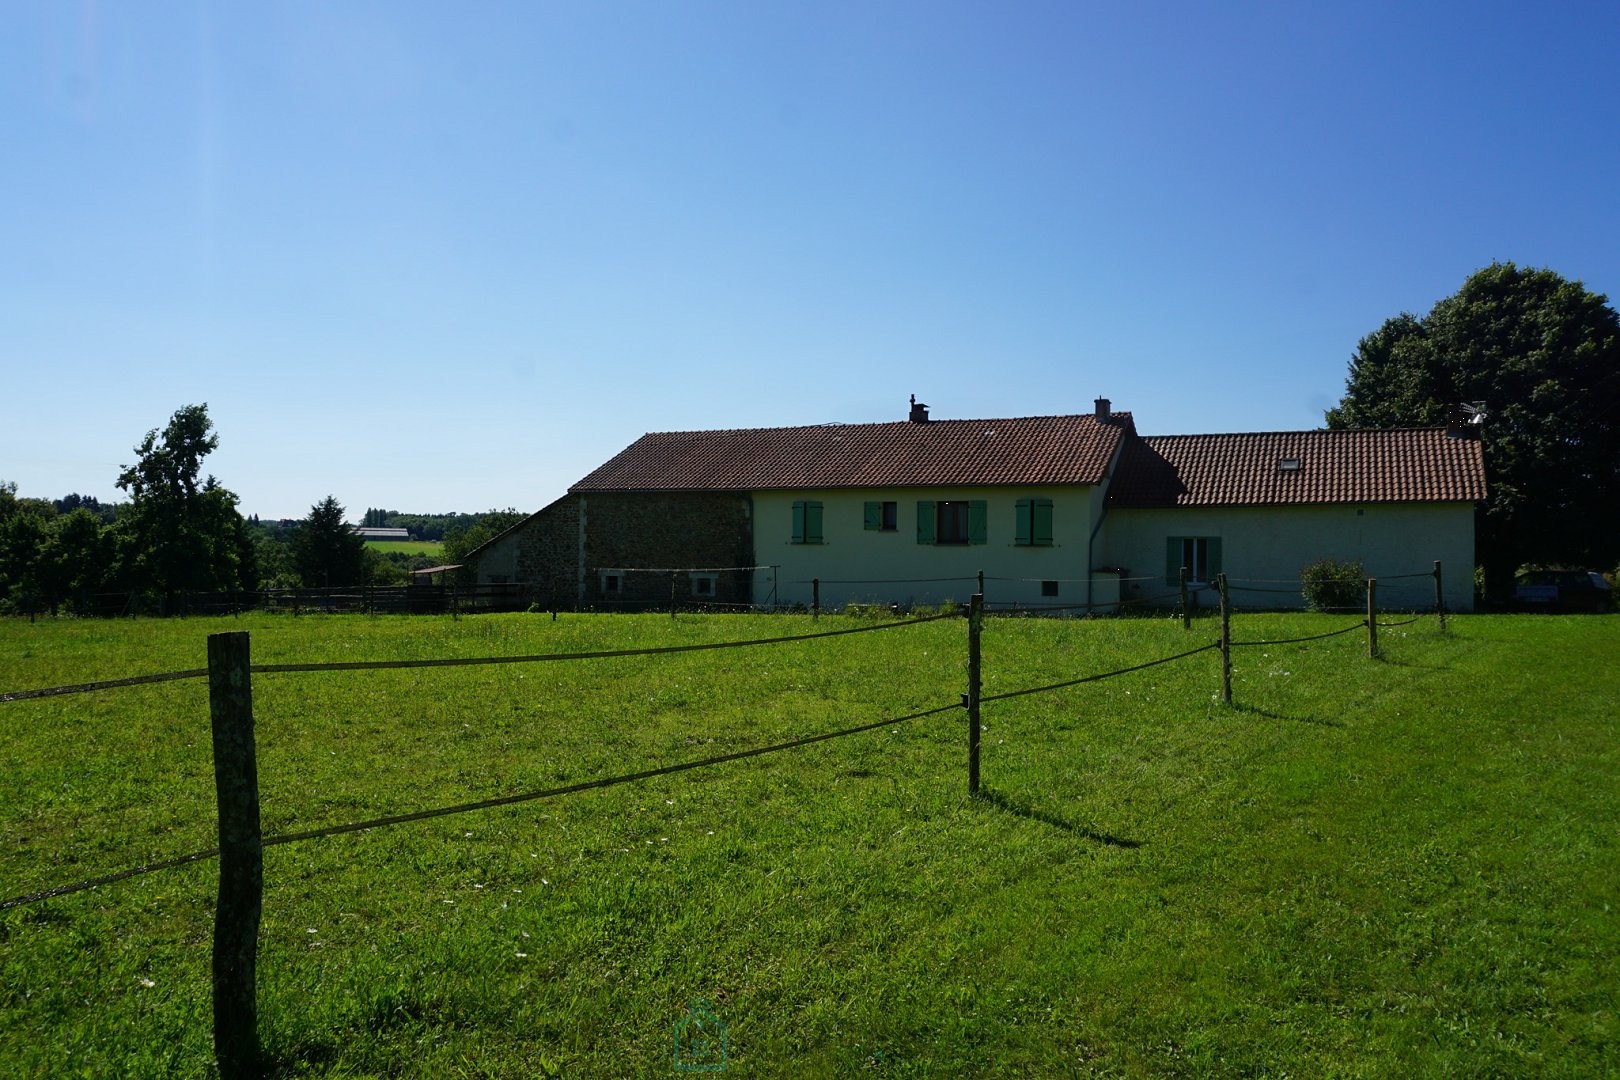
{"x": 447, "y": 256}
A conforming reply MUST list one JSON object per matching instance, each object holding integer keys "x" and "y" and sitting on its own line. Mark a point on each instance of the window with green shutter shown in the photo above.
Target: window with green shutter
{"x": 1033, "y": 523}
{"x": 952, "y": 521}
{"x": 807, "y": 521}
{"x": 882, "y": 516}
{"x": 1201, "y": 555}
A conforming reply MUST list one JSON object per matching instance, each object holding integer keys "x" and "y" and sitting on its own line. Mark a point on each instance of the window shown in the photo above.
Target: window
{"x": 883, "y": 516}
{"x": 1049, "y": 588}
{"x": 612, "y": 582}
{"x": 1032, "y": 526}
{"x": 1201, "y": 555}
{"x": 703, "y": 585}
{"x": 955, "y": 521}
{"x": 807, "y": 522}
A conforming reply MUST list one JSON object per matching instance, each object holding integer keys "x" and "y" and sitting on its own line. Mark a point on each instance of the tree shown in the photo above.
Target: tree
{"x": 461, "y": 540}
{"x": 326, "y": 551}
{"x": 179, "y": 533}
{"x": 1543, "y": 353}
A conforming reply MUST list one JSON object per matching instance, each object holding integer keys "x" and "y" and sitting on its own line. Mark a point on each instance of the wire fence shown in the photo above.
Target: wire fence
{"x": 240, "y": 853}
{"x": 442, "y": 662}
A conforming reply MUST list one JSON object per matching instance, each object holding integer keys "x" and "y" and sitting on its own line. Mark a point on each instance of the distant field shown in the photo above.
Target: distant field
{"x": 1392, "y": 867}
{"x": 409, "y": 547}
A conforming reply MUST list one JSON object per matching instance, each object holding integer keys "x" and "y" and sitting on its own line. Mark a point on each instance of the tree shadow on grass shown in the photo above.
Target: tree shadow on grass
{"x": 1024, "y": 810}
{"x": 1255, "y": 710}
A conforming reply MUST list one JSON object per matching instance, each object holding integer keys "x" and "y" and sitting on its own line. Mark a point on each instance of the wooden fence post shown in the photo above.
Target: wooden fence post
{"x": 1372, "y": 617}
{"x": 981, "y": 582}
{"x": 1226, "y": 640}
{"x": 241, "y": 856}
{"x": 1439, "y": 595}
{"x": 815, "y": 599}
{"x": 1186, "y": 615}
{"x": 975, "y": 689}
{"x": 672, "y": 594}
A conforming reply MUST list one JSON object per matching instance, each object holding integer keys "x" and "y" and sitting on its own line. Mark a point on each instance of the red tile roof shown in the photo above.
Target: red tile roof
{"x": 1023, "y": 450}
{"x": 1403, "y": 465}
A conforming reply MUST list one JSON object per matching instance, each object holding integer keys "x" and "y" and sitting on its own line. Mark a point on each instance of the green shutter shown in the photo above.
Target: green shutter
{"x": 1172, "y": 560}
{"x": 1021, "y": 523}
{"x": 978, "y": 511}
{"x": 812, "y": 522}
{"x": 874, "y": 515}
{"x": 798, "y": 522}
{"x": 1212, "y": 554}
{"x": 1041, "y": 526}
{"x": 925, "y": 521}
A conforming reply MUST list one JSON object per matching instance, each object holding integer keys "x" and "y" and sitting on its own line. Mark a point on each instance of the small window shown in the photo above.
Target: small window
{"x": 883, "y": 516}
{"x": 612, "y": 582}
{"x": 1049, "y": 588}
{"x": 1289, "y": 464}
{"x": 956, "y": 521}
{"x": 807, "y": 521}
{"x": 703, "y": 586}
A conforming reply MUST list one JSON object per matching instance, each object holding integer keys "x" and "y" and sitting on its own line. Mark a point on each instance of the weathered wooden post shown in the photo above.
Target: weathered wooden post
{"x": 672, "y": 594}
{"x": 1439, "y": 595}
{"x": 1226, "y": 640}
{"x": 971, "y": 698}
{"x": 241, "y": 857}
{"x": 815, "y": 599}
{"x": 981, "y": 582}
{"x": 1186, "y": 613}
{"x": 1372, "y": 617}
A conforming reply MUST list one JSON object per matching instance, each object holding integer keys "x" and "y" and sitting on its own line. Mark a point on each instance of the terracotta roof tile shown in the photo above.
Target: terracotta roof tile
{"x": 1403, "y": 465}
{"x": 1022, "y": 450}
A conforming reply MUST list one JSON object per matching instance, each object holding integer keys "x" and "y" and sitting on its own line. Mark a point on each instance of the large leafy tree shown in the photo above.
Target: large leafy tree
{"x": 181, "y": 532}
{"x": 325, "y": 551}
{"x": 1543, "y": 353}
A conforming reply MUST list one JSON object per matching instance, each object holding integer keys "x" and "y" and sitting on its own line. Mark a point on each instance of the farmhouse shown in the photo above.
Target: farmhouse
{"x": 1054, "y": 510}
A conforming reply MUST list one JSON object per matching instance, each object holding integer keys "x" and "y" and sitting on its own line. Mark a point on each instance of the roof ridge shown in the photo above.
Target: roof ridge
{"x": 1295, "y": 431}
{"x": 930, "y": 423}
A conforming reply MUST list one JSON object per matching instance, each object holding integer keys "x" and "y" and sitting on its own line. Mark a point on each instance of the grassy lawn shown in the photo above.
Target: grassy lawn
{"x": 407, "y": 547}
{"x": 1393, "y": 867}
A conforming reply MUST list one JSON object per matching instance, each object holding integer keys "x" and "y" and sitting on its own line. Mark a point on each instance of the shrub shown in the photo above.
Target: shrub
{"x": 1328, "y": 584}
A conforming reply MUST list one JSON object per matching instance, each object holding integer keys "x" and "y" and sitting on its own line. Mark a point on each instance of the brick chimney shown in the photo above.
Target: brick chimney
{"x": 919, "y": 413}
{"x": 1105, "y": 412}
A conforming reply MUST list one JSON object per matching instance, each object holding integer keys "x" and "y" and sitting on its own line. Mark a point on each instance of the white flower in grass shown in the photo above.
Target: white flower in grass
{"x": 311, "y": 930}
{"x": 521, "y": 955}
{"x": 148, "y": 983}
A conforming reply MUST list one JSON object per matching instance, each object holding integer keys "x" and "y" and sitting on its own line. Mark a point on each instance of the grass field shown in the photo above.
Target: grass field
{"x": 1393, "y": 867}
{"x": 407, "y": 547}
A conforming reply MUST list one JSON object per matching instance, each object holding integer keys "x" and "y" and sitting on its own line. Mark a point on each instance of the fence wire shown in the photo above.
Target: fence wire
{"x": 1313, "y": 637}
{"x": 481, "y": 804}
{"x": 372, "y": 665}
{"x": 1098, "y": 678}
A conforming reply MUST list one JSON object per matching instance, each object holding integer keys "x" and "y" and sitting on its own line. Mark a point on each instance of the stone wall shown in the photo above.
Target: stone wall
{"x": 646, "y": 534}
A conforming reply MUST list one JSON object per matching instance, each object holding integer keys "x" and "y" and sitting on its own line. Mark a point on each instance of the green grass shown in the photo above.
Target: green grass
{"x": 407, "y": 547}
{"x": 1364, "y": 868}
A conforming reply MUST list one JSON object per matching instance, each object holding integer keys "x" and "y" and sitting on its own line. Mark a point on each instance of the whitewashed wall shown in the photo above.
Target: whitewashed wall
{"x": 1275, "y": 543}
{"x": 851, "y": 556}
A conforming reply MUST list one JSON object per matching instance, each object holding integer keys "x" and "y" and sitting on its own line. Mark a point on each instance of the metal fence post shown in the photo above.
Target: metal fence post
{"x": 241, "y": 856}
{"x": 975, "y": 689}
{"x": 1372, "y": 617}
{"x": 1226, "y": 640}
{"x": 1439, "y": 595}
